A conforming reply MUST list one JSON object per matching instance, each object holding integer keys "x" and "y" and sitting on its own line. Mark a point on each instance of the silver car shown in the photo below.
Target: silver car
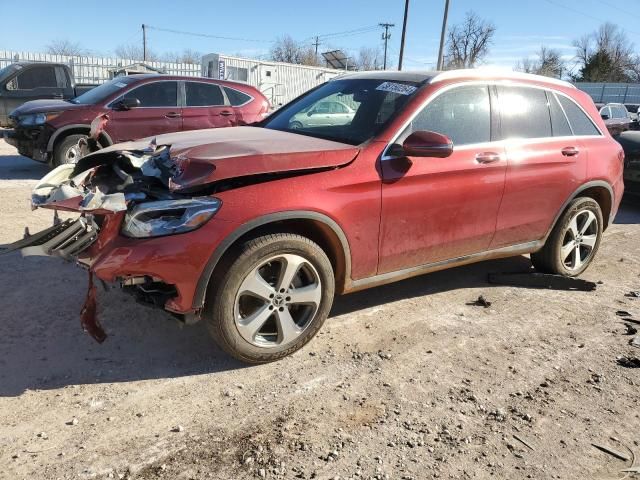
{"x": 326, "y": 113}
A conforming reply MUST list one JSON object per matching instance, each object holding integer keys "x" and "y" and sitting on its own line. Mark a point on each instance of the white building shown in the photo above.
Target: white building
{"x": 279, "y": 82}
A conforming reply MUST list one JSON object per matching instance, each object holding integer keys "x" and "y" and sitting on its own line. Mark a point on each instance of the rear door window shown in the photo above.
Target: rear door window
{"x": 463, "y": 114}
{"x": 36, "y": 77}
{"x": 203, "y": 94}
{"x": 559, "y": 124}
{"x": 580, "y": 122}
{"x": 524, "y": 112}
{"x": 156, "y": 94}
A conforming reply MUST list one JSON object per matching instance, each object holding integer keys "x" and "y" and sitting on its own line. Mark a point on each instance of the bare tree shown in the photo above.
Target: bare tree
{"x": 134, "y": 51}
{"x": 368, "y": 59}
{"x": 187, "y": 56}
{"x": 62, "y": 46}
{"x": 468, "y": 42}
{"x": 549, "y": 63}
{"x": 606, "y": 55}
{"x": 286, "y": 49}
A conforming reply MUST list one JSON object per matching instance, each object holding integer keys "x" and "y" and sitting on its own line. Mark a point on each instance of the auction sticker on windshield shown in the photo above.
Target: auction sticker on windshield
{"x": 393, "y": 87}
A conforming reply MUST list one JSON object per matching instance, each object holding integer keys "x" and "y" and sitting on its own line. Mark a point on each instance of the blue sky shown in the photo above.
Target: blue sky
{"x": 521, "y": 25}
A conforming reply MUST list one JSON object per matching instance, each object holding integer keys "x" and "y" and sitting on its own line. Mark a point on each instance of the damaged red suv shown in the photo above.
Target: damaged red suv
{"x": 254, "y": 229}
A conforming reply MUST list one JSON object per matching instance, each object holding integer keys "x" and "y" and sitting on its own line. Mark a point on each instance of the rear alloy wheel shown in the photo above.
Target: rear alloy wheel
{"x": 67, "y": 151}
{"x": 574, "y": 240}
{"x": 272, "y": 299}
{"x": 295, "y": 125}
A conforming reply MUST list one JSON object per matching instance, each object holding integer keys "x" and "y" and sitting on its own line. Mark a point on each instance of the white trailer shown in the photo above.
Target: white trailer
{"x": 280, "y": 82}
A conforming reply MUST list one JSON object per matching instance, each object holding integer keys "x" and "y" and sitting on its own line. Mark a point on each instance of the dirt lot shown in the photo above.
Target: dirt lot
{"x": 406, "y": 381}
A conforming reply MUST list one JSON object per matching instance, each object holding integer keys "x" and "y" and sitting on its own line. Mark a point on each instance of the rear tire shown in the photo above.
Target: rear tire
{"x": 67, "y": 151}
{"x": 272, "y": 296}
{"x": 574, "y": 240}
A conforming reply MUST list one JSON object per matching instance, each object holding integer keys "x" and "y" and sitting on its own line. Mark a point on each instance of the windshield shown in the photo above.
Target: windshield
{"x": 349, "y": 111}
{"x": 103, "y": 91}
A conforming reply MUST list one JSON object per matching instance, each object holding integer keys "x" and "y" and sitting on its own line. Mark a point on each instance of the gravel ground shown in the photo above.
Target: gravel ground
{"x": 406, "y": 381}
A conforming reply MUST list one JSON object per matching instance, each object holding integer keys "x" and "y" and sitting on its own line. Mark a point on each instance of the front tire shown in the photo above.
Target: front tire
{"x": 574, "y": 240}
{"x": 67, "y": 150}
{"x": 273, "y": 295}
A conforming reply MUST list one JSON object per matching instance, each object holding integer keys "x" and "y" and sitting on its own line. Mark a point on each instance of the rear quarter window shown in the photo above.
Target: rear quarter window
{"x": 580, "y": 122}
{"x": 236, "y": 98}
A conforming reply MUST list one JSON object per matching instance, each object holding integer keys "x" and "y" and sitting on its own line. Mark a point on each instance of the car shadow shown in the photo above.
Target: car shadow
{"x": 17, "y": 167}
{"x": 42, "y": 346}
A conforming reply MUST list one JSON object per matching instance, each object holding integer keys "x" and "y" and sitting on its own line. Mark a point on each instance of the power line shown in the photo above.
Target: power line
{"x": 206, "y": 35}
{"x": 355, "y": 31}
{"x": 574, "y": 10}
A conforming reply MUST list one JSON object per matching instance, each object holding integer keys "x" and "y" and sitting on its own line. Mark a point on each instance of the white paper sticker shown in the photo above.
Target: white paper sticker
{"x": 399, "y": 88}
{"x": 121, "y": 85}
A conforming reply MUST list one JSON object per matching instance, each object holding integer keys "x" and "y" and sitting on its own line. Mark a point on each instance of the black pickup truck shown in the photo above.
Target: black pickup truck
{"x": 24, "y": 81}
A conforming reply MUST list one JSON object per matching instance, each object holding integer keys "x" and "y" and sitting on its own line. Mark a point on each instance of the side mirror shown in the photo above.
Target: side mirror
{"x": 604, "y": 116}
{"x": 427, "y": 144}
{"x": 126, "y": 104}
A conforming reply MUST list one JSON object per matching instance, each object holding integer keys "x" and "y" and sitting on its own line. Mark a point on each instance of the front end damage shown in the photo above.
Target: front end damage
{"x": 118, "y": 194}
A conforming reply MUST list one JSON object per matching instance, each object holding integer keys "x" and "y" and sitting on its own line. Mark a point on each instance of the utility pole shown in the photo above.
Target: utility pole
{"x": 144, "y": 43}
{"x": 386, "y": 36}
{"x": 442, "y": 35}
{"x": 404, "y": 31}
{"x": 316, "y": 44}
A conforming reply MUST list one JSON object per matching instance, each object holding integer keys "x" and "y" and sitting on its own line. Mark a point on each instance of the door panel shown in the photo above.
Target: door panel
{"x": 205, "y": 107}
{"x": 435, "y": 209}
{"x": 158, "y": 113}
{"x": 539, "y": 180}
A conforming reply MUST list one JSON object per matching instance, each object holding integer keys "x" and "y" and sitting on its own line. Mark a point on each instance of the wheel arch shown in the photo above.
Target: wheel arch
{"x": 313, "y": 225}
{"x": 61, "y": 133}
{"x": 599, "y": 190}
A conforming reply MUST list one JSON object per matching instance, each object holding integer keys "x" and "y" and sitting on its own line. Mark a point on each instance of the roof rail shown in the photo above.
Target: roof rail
{"x": 497, "y": 72}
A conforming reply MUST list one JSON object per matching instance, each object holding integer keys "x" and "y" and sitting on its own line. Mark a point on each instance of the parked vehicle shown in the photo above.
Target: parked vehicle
{"x": 254, "y": 229}
{"x": 323, "y": 113}
{"x": 616, "y": 118}
{"x": 21, "y": 82}
{"x": 137, "y": 106}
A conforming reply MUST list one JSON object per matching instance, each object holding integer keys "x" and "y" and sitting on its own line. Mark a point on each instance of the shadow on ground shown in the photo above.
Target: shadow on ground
{"x": 16, "y": 167}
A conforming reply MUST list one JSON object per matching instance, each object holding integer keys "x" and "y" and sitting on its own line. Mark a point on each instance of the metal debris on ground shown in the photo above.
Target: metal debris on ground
{"x": 612, "y": 452}
{"x": 541, "y": 280}
{"x": 628, "y": 362}
{"x": 480, "y": 302}
{"x": 633, "y": 294}
{"x": 631, "y": 330}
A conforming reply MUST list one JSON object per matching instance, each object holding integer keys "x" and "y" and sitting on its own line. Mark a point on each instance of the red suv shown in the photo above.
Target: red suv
{"x": 137, "y": 106}
{"x": 254, "y": 229}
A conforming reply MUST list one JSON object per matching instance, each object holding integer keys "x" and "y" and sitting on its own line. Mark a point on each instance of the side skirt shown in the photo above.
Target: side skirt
{"x": 397, "y": 275}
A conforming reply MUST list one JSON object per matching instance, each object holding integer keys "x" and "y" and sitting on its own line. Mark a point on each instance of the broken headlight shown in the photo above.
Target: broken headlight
{"x": 166, "y": 217}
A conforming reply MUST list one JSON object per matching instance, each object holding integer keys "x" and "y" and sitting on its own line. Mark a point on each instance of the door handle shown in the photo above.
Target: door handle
{"x": 570, "y": 151}
{"x": 487, "y": 157}
{"x": 172, "y": 115}
{"x": 226, "y": 113}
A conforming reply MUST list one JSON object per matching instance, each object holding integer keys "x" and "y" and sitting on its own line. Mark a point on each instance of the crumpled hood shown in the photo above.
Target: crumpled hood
{"x": 42, "y": 106}
{"x": 211, "y": 155}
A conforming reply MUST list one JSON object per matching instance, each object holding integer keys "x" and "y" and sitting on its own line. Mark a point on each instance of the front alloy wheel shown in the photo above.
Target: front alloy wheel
{"x": 269, "y": 297}
{"x": 277, "y": 301}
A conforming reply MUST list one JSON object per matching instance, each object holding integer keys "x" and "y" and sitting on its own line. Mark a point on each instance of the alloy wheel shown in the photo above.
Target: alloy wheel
{"x": 277, "y": 301}
{"x": 579, "y": 240}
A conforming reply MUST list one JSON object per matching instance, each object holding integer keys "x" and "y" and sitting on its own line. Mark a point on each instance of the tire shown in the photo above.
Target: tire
{"x": 559, "y": 253}
{"x": 66, "y": 151}
{"x": 251, "y": 292}
{"x": 295, "y": 125}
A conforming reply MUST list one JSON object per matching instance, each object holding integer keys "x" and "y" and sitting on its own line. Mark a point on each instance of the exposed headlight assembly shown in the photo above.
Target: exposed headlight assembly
{"x": 37, "y": 118}
{"x": 168, "y": 217}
